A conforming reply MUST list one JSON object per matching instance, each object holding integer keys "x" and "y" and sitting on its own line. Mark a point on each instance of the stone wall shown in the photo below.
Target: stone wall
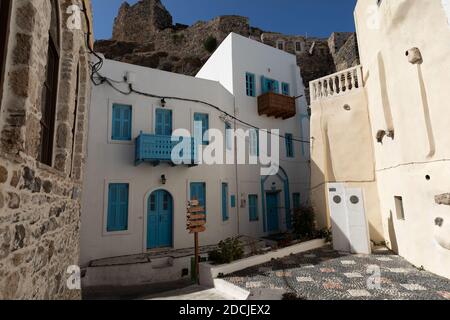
{"x": 40, "y": 205}
{"x": 174, "y": 50}
{"x": 138, "y": 22}
{"x": 344, "y": 50}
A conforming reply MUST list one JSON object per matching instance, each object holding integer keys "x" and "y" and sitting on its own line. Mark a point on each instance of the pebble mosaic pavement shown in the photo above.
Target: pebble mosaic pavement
{"x": 325, "y": 274}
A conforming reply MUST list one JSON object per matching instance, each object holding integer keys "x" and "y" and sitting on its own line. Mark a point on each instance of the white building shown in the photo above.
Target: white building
{"x": 135, "y": 199}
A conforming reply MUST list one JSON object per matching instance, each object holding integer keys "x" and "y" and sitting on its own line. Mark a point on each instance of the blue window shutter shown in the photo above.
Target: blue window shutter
{"x": 250, "y": 84}
{"x": 253, "y": 85}
{"x": 285, "y": 88}
{"x": 163, "y": 122}
{"x": 289, "y": 145}
{"x": 198, "y": 192}
{"x": 121, "y": 122}
{"x": 159, "y": 122}
{"x": 225, "y": 215}
{"x": 117, "y": 219}
{"x": 168, "y": 123}
{"x": 264, "y": 87}
{"x": 253, "y": 207}
{"x": 276, "y": 86}
{"x": 204, "y": 119}
{"x": 233, "y": 201}
{"x": 296, "y": 200}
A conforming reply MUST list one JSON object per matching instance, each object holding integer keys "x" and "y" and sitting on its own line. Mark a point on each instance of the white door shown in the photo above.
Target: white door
{"x": 348, "y": 219}
{"x": 338, "y": 211}
{"x": 358, "y": 227}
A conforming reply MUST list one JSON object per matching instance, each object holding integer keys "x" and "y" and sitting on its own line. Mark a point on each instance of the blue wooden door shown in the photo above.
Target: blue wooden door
{"x": 272, "y": 212}
{"x": 159, "y": 220}
{"x": 163, "y": 122}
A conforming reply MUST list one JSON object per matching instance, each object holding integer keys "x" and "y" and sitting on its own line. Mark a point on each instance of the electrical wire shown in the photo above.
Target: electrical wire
{"x": 131, "y": 90}
{"x": 95, "y": 75}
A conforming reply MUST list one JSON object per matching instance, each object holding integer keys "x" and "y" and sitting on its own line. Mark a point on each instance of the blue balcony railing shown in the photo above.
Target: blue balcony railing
{"x": 158, "y": 149}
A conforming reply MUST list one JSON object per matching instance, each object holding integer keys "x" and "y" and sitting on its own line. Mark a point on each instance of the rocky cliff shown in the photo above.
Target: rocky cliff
{"x": 144, "y": 34}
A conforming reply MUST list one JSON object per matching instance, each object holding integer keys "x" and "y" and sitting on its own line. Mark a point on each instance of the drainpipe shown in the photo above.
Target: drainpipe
{"x": 238, "y": 197}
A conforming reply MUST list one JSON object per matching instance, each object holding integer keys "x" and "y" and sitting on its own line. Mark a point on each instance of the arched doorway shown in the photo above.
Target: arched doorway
{"x": 271, "y": 200}
{"x": 159, "y": 220}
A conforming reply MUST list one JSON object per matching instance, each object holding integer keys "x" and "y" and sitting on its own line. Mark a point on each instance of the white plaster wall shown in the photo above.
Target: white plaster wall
{"x": 219, "y": 66}
{"x": 398, "y": 93}
{"x": 263, "y": 60}
{"x": 114, "y": 162}
{"x": 111, "y": 162}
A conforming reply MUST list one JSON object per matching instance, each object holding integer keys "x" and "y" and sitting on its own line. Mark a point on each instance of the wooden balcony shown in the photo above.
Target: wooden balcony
{"x": 276, "y": 105}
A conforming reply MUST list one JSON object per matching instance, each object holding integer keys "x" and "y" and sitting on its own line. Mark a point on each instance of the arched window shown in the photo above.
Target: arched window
{"x": 5, "y": 11}
{"x": 50, "y": 89}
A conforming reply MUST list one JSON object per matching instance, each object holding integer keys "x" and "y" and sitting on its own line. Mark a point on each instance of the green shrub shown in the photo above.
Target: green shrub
{"x": 290, "y": 296}
{"x": 325, "y": 234}
{"x": 210, "y": 44}
{"x": 304, "y": 222}
{"x": 229, "y": 250}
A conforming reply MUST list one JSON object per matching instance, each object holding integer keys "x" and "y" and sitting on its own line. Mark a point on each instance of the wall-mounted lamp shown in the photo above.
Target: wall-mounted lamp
{"x": 163, "y": 102}
{"x": 274, "y": 187}
{"x": 163, "y": 179}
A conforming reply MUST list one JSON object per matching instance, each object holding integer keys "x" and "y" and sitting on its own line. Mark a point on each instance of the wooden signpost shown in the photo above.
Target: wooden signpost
{"x": 196, "y": 221}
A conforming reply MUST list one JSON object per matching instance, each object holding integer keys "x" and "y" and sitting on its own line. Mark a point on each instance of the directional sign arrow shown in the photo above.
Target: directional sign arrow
{"x": 198, "y": 230}
{"x": 198, "y": 223}
{"x": 196, "y": 209}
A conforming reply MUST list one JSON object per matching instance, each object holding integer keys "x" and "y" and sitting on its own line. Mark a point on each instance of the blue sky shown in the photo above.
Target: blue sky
{"x": 312, "y": 17}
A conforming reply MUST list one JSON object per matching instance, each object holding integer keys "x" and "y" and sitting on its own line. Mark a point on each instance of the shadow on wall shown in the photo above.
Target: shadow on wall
{"x": 426, "y": 113}
{"x": 384, "y": 94}
{"x": 318, "y": 197}
{"x": 392, "y": 233}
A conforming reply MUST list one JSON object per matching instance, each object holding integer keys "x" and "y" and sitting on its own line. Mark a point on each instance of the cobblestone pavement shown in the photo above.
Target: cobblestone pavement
{"x": 325, "y": 274}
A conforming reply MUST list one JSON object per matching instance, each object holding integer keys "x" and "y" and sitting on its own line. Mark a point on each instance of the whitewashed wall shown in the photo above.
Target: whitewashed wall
{"x": 110, "y": 161}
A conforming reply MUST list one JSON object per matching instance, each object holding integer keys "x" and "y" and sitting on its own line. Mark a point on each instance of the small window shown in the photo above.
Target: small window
{"x": 118, "y": 207}
{"x": 280, "y": 45}
{"x": 399, "y": 208}
{"x": 121, "y": 122}
{"x": 233, "y": 201}
{"x": 228, "y": 136}
{"x": 286, "y": 89}
{"x": 203, "y": 118}
{"x": 250, "y": 84}
{"x": 289, "y": 145}
{"x": 163, "y": 122}
{"x": 298, "y": 46}
{"x": 225, "y": 215}
{"x": 253, "y": 207}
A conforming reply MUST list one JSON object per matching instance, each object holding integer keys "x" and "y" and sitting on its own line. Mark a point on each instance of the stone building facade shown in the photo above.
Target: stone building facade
{"x": 136, "y": 23}
{"x": 43, "y": 121}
